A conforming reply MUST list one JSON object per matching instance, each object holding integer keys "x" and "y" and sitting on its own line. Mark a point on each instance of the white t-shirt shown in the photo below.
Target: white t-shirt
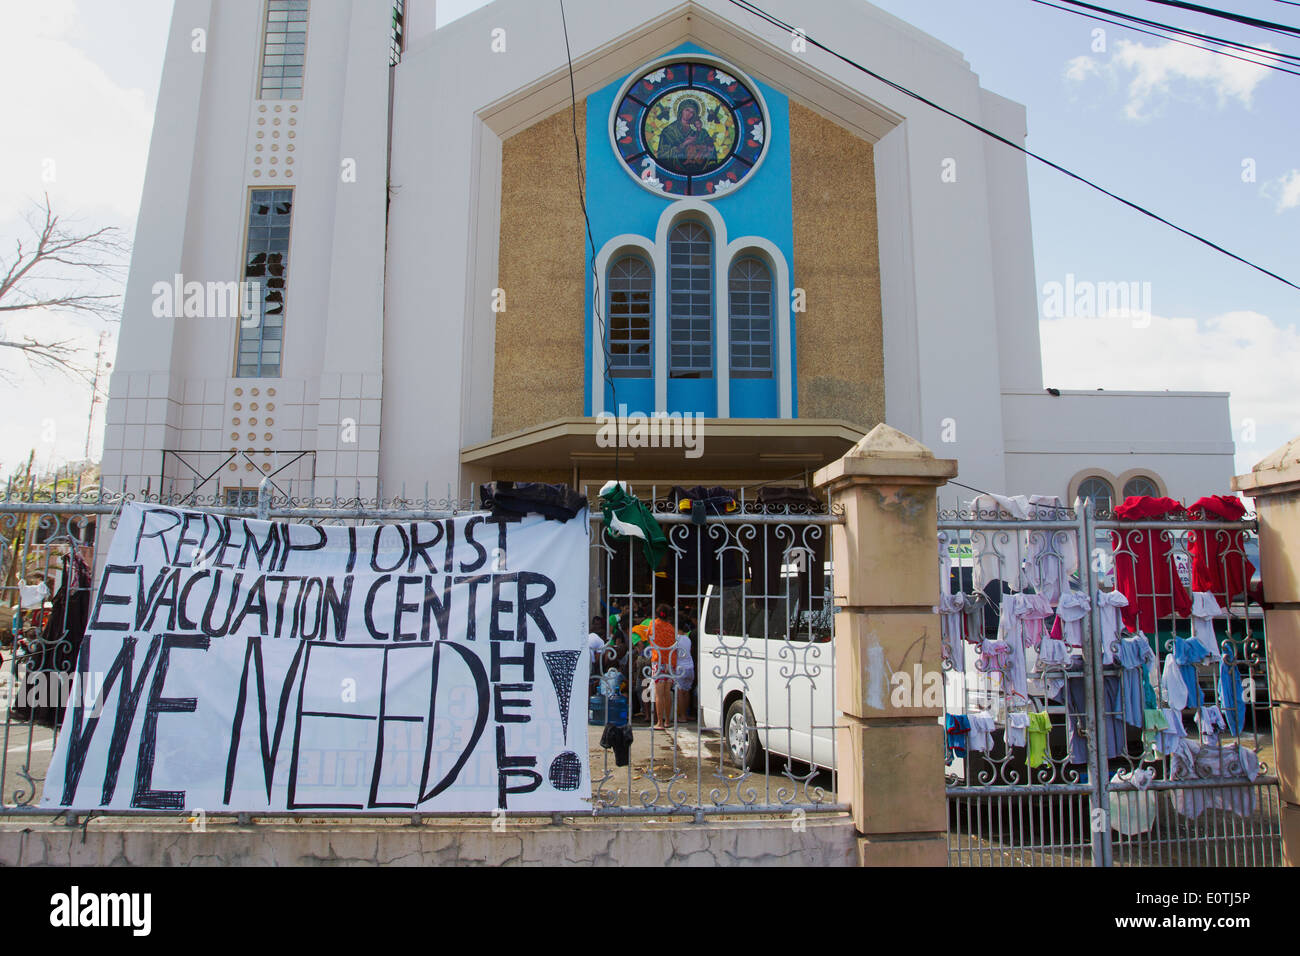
{"x": 685, "y": 663}
{"x": 32, "y": 596}
{"x": 595, "y": 644}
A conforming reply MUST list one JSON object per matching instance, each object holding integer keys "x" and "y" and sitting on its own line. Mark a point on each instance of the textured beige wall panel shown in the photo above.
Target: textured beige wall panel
{"x": 837, "y": 261}
{"x": 539, "y": 338}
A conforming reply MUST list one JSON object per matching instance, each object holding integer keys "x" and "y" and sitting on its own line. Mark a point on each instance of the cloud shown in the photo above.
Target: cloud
{"x": 1245, "y": 353}
{"x": 71, "y": 131}
{"x": 1157, "y": 72}
{"x": 1287, "y": 190}
{"x": 1080, "y": 68}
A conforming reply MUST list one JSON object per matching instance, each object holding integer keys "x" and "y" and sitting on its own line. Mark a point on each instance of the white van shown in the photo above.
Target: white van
{"x": 766, "y": 677}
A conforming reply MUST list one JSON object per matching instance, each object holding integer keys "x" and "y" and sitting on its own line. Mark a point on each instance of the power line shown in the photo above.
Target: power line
{"x": 750, "y": 7}
{"x": 1162, "y": 36}
{"x": 607, "y": 376}
{"x": 1230, "y": 15}
{"x": 1246, "y": 47}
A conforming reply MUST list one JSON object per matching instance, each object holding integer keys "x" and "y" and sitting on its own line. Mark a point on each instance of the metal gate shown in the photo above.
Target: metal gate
{"x": 741, "y": 717}
{"x": 1064, "y": 745}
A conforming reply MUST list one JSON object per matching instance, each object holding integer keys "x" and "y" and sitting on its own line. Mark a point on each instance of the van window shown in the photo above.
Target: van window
{"x": 733, "y": 613}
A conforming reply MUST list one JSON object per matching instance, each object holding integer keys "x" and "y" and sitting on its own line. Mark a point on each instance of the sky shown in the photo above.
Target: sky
{"x": 1206, "y": 141}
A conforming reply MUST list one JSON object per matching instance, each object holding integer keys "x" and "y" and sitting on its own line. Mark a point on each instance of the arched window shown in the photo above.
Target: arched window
{"x": 1141, "y": 486}
{"x": 690, "y": 302}
{"x": 750, "y": 299}
{"x": 1099, "y": 490}
{"x": 629, "y": 317}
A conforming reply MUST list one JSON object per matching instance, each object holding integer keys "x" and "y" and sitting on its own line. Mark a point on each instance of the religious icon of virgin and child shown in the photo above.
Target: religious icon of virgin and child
{"x": 685, "y": 146}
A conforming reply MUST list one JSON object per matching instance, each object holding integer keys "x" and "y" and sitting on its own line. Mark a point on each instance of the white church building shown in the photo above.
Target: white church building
{"x": 773, "y": 243}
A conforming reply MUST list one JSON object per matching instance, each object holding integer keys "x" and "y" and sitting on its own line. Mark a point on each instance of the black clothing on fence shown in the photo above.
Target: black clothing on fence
{"x": 512, "y": 500}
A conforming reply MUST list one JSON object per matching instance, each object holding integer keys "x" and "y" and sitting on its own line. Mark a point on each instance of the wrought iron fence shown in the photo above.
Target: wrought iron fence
{"x": 744, "y": 576}
{"x": 1086, "y": 728}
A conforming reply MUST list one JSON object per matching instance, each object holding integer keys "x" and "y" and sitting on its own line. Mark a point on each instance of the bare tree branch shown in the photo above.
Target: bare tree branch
{"x": 58, "y": 273}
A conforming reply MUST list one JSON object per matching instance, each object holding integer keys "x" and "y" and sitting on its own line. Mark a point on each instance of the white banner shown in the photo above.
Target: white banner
{"x": 234, "y": 664}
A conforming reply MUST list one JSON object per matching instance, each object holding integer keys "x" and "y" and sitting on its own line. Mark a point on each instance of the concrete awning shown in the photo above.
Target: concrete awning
{"x": 720, "y": 450}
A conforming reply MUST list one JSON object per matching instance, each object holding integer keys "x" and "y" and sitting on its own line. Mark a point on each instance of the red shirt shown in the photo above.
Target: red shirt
{"x": 1144, "y": 570}
{"x": 663, "y": 642}
{"x": 1219, "y": 563}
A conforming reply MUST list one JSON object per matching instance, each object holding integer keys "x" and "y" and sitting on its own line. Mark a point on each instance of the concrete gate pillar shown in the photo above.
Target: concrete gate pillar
{"x": 887, "y": 646}
{"x": 1274, "y": 483}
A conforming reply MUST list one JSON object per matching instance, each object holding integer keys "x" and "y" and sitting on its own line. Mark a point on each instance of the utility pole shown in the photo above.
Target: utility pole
{"x": 100, "y": 368}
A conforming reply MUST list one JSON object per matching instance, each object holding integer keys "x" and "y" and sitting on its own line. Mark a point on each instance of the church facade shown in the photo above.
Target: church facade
{"x": 711, "y": 253}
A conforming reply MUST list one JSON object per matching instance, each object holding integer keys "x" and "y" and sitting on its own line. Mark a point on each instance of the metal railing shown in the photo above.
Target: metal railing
{"x": 1064, "y": 744}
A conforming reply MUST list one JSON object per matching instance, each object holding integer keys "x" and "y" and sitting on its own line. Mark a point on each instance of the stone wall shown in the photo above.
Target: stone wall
{"x": 820, "y": 841}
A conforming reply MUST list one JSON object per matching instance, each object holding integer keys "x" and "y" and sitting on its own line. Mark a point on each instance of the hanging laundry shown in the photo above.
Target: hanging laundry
{"x": 1049, "y": 669}
{"x": 995, "y": 657}
{"x": 513, "y": 500}
{"x": 32, "y": 596}
{"x": 977, "y": 611}
{"x": 55, "y": 656}
{"x": 1219, "y": 562}
{"x": 957, "y": 730}
{"x": 1231, "y": 699}
{"x": 1170, "y": 739}
{"x": 1154, "y": 724}
{"x": 1210, "y": 719}
{"x": 625, "y": 515}
{"x": 1040, "y": 728}
{"x": 952, "y": 625}
{"x": 1172, "y": 686}
{"x": 1204, "y": 610}
{"x": 1144, "y": 568}
{"x": 1017, "y": 725}
{"x": 982, "y": 726}
{"x": 998, "y": 555}
{"x": 1110, "y": 604}
{"x": 1135, "y": 654}
{"x": 1231, "y": 762}
{"x": 1132, "y": 811}
{"x": 1070, "y": 612}
{"x": 1051, "y": 556}
{"x": 1113, "y": 719}
{"x": 1011, "y": 634}
{"x": 1034, "y": 611}
{"x": 1180, "y": 668}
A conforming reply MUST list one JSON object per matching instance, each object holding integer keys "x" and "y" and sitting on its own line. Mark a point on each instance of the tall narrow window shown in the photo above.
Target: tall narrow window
{"x": 397, "y": 40}
{"x": 266, "y": 265}
{"x": 690, "y": 296}
{"x": 284, "y": 50}
{"x": 628, "y": 318}
{"x": 750, "y": 294}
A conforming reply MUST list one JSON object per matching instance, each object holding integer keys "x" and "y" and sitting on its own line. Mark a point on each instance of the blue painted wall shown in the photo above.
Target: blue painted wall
{"x": 760, "y": 207}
